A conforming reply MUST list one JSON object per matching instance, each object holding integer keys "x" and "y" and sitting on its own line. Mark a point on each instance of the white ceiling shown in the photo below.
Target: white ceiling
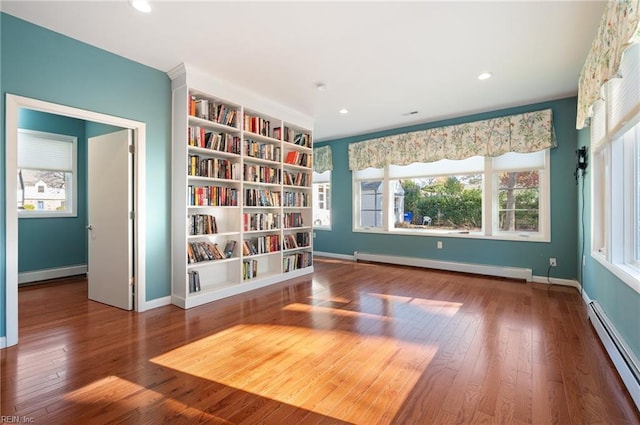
{"x": 379, "y": 59}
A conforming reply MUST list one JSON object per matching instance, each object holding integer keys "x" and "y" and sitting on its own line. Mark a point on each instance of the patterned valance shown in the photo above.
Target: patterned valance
{"x": 617, "y": 31}
{"x": 528, "y": 132}
{"x": 322, "y": 159}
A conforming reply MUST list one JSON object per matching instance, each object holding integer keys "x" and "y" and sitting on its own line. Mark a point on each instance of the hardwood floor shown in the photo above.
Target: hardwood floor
{"x": 358, "y": 343}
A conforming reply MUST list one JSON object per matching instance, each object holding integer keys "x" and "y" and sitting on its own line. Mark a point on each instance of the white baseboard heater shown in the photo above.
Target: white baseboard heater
{"x": 625, "y": 362}
{"x": 453, "y": 266}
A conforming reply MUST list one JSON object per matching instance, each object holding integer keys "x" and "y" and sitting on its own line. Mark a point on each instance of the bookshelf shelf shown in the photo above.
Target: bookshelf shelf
{"x": 241, "y": 175}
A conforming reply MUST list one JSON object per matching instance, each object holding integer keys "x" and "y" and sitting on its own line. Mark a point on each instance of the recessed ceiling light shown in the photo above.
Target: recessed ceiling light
{"x": 141, "y": 5}
{"x": 344, "y": 111}
{"x": 321, "y": 86}
{"x": 485, "y": 76}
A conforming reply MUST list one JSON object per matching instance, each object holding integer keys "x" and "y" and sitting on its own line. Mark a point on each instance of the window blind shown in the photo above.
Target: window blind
{"x": 44, "y": 151}
{"x": 622, "y": 94}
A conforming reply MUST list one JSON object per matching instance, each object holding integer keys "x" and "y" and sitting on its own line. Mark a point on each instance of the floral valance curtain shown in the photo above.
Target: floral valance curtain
{"x": 322, "y": 159}
{"x": 617, "y": 31}
{"x": 528, "y": 132}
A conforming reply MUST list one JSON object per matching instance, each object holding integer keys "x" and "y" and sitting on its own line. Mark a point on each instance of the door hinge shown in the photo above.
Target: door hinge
{"x": 132, "y": 281}
{"x": 132, "y": 215}
{"x": 132, "y": 149}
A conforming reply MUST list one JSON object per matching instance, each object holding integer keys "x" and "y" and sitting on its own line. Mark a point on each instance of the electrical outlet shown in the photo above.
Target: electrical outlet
{"x": 439, "y": 244}
{"x": 552, "y": 262}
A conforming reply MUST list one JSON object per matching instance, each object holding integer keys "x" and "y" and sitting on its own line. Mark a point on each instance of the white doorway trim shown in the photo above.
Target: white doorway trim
{"x": 13, "y": 105}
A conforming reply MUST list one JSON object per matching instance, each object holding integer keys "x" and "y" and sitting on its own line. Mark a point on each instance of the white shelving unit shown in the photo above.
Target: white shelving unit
{"x": 247, "y": 180}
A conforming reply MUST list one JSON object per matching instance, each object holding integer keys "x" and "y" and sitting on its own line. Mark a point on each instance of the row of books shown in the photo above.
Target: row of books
{"x": 262, "y": 150}
{"x": 199, "y": 251}
{"x": 299, "y": 260}
{"x": 296, "y": 199}
{"x": 257, "y": 125}
{"x": 260, "y": 221}
{"x": 218, "y": 168}
{"x": 296, "y": 179}
{"x": 212, "y": 111}
{"x": 261, "y": 245}
{"x": 261, "y": 198}
{"x": 289, "y": 135}
{"x": 299, "y": 240}
{"x": 249, "y": 269}
{"x": 212, "y": 196}
{"x": 262, "y": 174}
{"x": 293, "y": 219}
{"x": 298, "y": 158}
{"x": 203, "y": 138}
{"x": 194, "y": 281}
{"x": 202, "y": 224}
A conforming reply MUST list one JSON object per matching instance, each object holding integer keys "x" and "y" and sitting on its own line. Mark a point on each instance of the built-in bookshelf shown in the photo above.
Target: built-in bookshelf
{"x": 241, "y": 192}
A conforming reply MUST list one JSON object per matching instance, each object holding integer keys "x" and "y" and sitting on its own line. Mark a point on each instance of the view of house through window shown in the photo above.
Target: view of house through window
{"x": 322, "y": 199}
{"x": 46, "y": 173}
{"x": 42, "y": 190}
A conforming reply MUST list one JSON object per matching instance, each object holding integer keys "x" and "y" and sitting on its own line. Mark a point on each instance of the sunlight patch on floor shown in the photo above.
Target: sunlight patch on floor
{"x": 335, "y": 373}
{"x": 125, "y": 399}
{"x": 306, "y": 308}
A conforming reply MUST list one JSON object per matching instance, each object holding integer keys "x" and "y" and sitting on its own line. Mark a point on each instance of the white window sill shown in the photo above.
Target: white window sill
{"x": 628, "y": 275}
{"x": 49, "y": 214}
{"x": 520, "y": 237}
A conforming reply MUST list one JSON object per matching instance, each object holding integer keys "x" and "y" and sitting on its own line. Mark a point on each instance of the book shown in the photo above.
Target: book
{"x": 229, "y": 248}
{"x": 194, "y": 281}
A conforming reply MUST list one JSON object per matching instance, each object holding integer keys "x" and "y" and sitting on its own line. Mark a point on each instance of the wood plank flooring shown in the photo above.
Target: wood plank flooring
{"x": 356, "y": 343}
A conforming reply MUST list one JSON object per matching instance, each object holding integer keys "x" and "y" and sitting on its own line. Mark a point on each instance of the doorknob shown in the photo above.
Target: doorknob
{"x": 90, "y": 227}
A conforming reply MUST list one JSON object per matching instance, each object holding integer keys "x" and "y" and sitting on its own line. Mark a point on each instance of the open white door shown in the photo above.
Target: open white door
{"x": 110, "y": 227}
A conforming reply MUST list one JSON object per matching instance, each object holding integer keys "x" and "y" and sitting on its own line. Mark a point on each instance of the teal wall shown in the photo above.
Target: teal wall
{"x": 45, "y": 243}
{"x": 41, "y": 64}
{"x": 535, "y": 255}
{"x": 619, "y": 301}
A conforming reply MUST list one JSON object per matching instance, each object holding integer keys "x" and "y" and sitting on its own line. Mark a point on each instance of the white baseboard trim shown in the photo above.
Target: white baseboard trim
{"x": 557, "y": 281}
{"x": 332, "y": 255}
{"x": 3, "y": 342}
{"x": 483, "y": 269}
{"x": 158, "y": 302}
{"x": 55, "y": 273}
{"x": 624, "y": 360}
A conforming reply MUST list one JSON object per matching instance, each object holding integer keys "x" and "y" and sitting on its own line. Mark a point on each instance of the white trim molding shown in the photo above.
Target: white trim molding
{"x": 557, "y": 281}
{"x": 483, "y": 269}
{"x": 13, "y": 103}
{"x": 158, "y": 302}
{"x": 53, "y": 273}
{"x": 333, "y": 255}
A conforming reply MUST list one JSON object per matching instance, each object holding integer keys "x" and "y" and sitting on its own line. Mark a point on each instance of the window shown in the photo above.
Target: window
{"x": 616, "y": 205}
{"x": 615, "y": 177}
{"x": 46, "y": 174}
{"x": 322, "y": 200}
{"x": 504, "y": 197}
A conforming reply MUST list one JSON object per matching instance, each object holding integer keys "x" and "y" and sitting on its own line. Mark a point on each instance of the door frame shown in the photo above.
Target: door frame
{"x": 12, "y": 105}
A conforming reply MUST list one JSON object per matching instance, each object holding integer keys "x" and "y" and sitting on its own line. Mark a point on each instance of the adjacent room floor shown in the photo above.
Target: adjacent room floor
{"x": 355, "y": 343}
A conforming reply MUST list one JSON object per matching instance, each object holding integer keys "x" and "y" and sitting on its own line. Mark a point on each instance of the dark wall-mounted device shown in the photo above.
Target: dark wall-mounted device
{"x": 582, "y": 163}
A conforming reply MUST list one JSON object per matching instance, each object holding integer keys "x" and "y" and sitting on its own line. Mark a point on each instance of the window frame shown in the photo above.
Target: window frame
{"x": 322, "y": 179}
{"x": 489, "y": 203}
{"x": 71, "y": 177}
{"x": 615, "y": 229}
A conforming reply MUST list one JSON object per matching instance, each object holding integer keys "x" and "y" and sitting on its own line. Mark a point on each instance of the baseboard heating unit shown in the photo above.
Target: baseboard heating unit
{"x": 452, "y": 266}
{"x": 625, "y": 362}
